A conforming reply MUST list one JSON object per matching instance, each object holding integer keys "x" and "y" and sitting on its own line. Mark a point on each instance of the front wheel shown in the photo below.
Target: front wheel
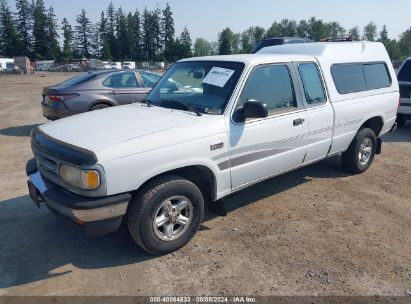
{"x": 165, "y": 214}
{"x": 361, "y": 152}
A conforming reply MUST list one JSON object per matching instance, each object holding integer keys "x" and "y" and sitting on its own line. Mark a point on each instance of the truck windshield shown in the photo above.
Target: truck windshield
{"x": 205, "y": 86}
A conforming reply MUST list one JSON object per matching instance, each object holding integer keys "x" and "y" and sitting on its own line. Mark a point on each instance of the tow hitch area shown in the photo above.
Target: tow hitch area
{"x": 34, "y": 194}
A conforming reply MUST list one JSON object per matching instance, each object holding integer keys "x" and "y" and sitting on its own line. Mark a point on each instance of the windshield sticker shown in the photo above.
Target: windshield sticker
{"x": 218, "y": 76}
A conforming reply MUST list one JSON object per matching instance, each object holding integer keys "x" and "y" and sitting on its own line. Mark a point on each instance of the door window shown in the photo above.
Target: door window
{"x": 149, "y": 79}
{"x": 313, "y": 86}
{"x": 271, "y": 85}
{"x": 121, "y": 80}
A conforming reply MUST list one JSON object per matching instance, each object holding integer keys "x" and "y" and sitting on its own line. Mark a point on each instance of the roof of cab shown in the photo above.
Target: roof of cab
{"x": 253, "y": 58}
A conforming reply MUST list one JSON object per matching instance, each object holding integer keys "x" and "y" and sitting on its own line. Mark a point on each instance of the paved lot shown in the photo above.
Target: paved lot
{"x": 315, "y": 231}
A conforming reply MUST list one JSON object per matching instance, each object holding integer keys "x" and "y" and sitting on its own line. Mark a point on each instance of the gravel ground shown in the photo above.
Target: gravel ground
{"x": 314, "y": 231}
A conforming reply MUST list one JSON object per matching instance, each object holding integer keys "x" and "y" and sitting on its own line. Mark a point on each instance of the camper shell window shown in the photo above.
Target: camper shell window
{"x": 358, "y": 77}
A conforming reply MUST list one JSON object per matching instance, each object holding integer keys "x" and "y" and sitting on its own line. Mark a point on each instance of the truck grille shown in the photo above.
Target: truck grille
{"x": 47, "y": 164}
{"x": 50, "y": 154}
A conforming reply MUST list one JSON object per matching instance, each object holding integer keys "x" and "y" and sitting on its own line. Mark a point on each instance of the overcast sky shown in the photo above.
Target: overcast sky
{"x": 206, "y": 18}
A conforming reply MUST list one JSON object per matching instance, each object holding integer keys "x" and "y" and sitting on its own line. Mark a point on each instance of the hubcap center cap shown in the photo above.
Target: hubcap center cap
{"x": 173, "y": 217}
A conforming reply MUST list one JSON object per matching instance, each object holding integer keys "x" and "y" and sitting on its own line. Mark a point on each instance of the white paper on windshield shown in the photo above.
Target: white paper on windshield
{"x": 218, "y": 76}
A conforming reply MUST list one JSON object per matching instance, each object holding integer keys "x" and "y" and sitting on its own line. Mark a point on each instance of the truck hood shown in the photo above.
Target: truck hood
{"x": 98, "y": 130}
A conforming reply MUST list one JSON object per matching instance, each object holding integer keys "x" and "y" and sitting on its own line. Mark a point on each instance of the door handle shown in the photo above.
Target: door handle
{"x": 112, "y": 92}
{"x": 298, "y": 122}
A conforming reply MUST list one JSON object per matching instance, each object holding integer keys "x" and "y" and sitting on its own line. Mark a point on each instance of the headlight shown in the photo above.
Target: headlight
{"x": 82, "y": 179}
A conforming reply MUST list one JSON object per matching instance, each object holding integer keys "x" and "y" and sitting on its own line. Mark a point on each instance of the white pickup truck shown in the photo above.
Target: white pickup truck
{"x": 404, "y": 79}
{"x": 210, "y": 127}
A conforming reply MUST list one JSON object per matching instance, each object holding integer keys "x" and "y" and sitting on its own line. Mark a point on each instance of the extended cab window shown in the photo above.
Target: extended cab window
{"x": 357, "y": 77}
{"x": 313, "y": 86}
{"x": 271, "y": 85}
{"x": 121, "y": 80}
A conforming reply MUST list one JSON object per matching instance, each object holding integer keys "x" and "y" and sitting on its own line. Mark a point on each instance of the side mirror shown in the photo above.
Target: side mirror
{"x": 254, "y": 109}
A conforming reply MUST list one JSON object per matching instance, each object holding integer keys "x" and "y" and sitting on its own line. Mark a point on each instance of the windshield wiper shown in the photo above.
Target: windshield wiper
{"x": 185, "y": 105}
{"x": 147, "y": 102}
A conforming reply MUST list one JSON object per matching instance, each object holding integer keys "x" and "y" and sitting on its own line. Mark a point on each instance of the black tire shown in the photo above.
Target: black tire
{"x": 401, "y": 121}
{"x": 351, "y": 158}
{"x": 99, "y": 106}
{"x": 142, "y": 210}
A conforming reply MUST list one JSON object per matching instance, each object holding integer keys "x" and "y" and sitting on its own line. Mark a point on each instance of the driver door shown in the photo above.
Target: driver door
{"x": 260, "y": 148}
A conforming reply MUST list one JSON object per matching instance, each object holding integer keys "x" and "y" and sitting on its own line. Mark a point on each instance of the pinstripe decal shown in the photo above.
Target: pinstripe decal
{"x": 268, "y": 149}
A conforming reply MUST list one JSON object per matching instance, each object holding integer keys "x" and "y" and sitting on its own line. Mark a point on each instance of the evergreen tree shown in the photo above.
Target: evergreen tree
{"x": 168, "y": 32}
{"x": 134, "y": 30}
{"x": 122, "y": 36}
{"x": 370, "y": 32}
{"x": 10, "y": 40}
{"x": 40, "y": 30}
{"x": 68, "y": 40}
{"x": 95, "y": 43}
{"x": 111, "y": 31}
{"x": 24, "y": 25}
{"x": 404, "y": 43}
{"x": 157, "y": 37}
{"x": 52, "y": 35}
{"x": 186, "y": 43}
{"x": 105, "y": 51}
{"x": 146, "y": 34}
{"x": 334, "y": 30}
{"x": 226, "y": 42}
{"x": 83, "y": 34}
{"x": 384, "y": 34}
{"x": 354, "y": 33}
{"x": 303, "y": 29}
{"x": 202, "y": 48}
{"x": 250, "y": 38}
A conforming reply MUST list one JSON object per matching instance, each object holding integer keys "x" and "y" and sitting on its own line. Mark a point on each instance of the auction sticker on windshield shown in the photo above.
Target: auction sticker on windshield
{"x": 218, "y": 76}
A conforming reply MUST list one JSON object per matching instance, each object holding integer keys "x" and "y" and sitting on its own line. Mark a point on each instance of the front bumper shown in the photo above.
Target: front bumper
{"x": 98, "y": 216}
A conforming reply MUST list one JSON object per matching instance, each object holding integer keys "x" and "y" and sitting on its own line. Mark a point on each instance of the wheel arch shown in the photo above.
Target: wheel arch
{"x": 375, "y": 123}
{"x": 202, "y": 176}
{"x": 101, "y": 101}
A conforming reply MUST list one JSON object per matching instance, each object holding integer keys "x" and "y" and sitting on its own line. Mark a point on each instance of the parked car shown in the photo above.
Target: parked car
{"x": 404, "y": 78}
{"x": 228, "y": 123}
{"x": 279, "y": 41}
{"x": 72, "y": 68}
{"x": 11, "y": 68}
{"x": 115, "y": 65}
{"x": 129, "y": 65}
{"x": 96, "y": 90}
{"x": 105, "y": 65}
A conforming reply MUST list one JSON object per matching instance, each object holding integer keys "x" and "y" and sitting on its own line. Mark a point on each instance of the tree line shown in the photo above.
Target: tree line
{"x": 33, "y": 30}
{"x": 315, "y": 29}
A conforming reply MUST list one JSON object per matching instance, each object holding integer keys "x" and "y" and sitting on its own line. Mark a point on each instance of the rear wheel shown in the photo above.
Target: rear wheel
{"x": 165, "y": 214}
{"x": 99, "y": 106}
{"x": 361, "y": 152}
